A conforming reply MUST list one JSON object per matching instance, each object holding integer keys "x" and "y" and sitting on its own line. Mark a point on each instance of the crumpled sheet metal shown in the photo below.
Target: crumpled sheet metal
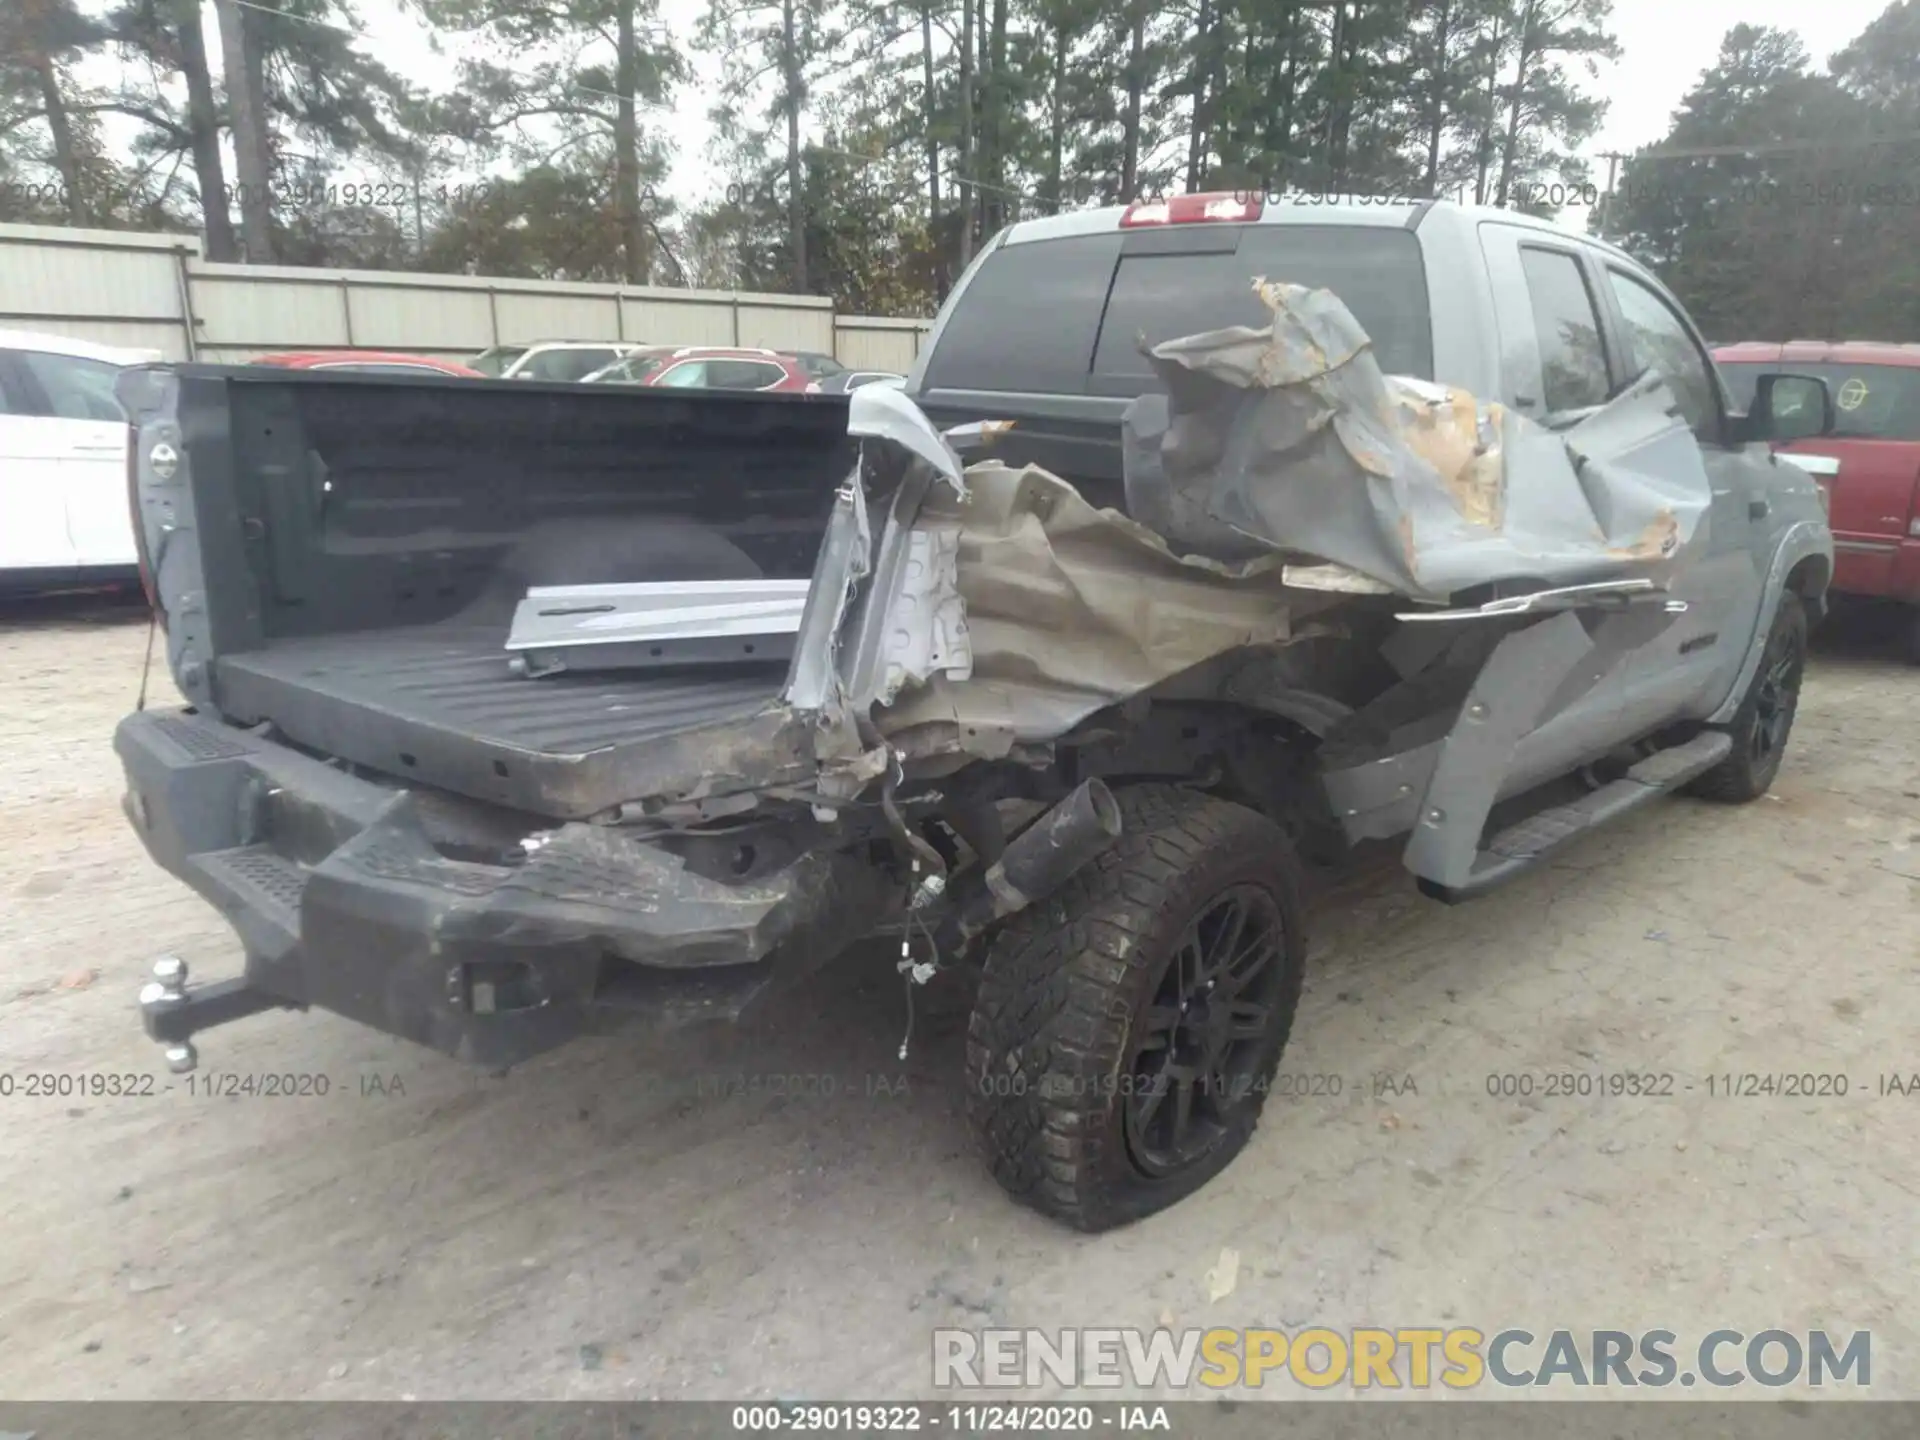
{"x": 1071, "y": 609}
{"x": 1291, "y": 438}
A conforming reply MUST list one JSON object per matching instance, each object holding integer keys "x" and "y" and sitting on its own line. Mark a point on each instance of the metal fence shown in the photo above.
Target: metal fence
{"x": 156, "y": 292}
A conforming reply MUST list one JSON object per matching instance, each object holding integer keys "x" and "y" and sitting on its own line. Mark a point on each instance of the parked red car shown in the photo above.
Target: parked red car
{"x": 1869, "y": 466}
{"x": 370, "y": 362}
{"x": 707, "y": 367}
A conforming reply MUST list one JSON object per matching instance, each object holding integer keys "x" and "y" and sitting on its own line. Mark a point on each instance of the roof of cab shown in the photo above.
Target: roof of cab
{"x": 1314, "y": 208}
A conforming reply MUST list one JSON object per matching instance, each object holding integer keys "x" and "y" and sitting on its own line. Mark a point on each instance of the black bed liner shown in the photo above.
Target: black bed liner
{"x": 437, "y": 704}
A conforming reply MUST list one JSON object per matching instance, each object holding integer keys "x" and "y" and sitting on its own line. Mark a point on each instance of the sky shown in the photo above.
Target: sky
{"x": 1665, "y": 45}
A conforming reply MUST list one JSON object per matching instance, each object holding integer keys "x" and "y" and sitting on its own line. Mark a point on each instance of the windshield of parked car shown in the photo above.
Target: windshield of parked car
{"x": 495, "y": 361}
{"x": 77, "y": 388}
{"x": 630, "y": 371}
{"x": 567, "y": 364}
{"x": 818, "y": 366}
{"x": 1870, "y": 402}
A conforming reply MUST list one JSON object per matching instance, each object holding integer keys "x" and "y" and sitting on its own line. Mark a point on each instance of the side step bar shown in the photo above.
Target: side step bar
{"x": 1526, "y": 843}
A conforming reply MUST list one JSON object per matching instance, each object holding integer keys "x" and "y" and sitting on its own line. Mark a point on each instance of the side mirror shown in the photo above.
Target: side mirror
{"x": 1791, "y": 407}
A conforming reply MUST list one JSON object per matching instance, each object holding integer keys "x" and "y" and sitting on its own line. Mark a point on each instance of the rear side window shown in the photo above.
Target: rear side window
{"x": 1573, "y": 361}
{"x": 1063, "y": 316}
{"x": 688, "y": 375}
{"x": 743, "y": 374}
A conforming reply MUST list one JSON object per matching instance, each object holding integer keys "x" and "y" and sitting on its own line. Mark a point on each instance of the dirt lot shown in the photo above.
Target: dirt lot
{"x": 586, "y": 1227}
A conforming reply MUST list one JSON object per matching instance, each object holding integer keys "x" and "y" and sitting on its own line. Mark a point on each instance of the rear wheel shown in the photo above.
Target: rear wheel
{"x": 1127, "y": 1029}
{"x": 1763, "y": 722}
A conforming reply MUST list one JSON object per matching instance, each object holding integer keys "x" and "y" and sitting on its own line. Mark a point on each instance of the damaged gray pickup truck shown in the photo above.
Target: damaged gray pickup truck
{"x": 1312, "y": 526}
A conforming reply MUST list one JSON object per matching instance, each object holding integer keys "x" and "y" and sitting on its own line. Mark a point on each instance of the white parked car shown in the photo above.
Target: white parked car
{"x": 64, "y": 515}
{"x": 552, "y": 359}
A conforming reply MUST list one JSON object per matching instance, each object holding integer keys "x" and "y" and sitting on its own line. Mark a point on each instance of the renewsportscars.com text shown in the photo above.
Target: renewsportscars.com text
{"x": 1418, "y": 1358}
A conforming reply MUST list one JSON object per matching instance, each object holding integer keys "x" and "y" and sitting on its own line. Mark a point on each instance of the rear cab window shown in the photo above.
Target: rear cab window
{"x": 1073, "y": 316}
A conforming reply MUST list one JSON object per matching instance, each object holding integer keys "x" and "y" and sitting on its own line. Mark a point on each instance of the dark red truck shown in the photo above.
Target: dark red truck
{"x": 1869, "y": 466}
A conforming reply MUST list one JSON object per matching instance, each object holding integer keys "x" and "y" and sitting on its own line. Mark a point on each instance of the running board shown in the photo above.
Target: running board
{"x": 1522, "y": 845}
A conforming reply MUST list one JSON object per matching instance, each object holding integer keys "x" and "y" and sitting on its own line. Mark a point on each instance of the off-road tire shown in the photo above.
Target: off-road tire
{"x": 1067, "y": 982}
{"x": 1750, "y": 767}
{"x": 1913, "y": 635}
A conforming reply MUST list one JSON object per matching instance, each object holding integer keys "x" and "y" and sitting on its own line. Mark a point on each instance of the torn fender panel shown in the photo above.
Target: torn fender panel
{"x": 1070, "y": 609}
{"x": 1291, "y": 436}
{"x": 884, "y": 412}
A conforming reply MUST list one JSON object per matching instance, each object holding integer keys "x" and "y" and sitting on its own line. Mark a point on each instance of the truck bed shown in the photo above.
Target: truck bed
{"x": 363, "y": 540}
{"x": 437, "y": 703}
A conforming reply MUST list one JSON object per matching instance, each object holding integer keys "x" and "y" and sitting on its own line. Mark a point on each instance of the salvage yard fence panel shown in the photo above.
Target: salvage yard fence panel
{"x": 872, "y": 342}
{"x": 108, "y": 286}
{"x": 156, "y": 292}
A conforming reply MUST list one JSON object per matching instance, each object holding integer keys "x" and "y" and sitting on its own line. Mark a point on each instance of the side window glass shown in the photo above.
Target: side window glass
{"x": 573, "y": 364}
{"x": 567, "y": 364}
{"x": 753, "y": 375}
{"x": 1661, "y": 342}
{"x": 690, "y": 375}
{"x": 1573, "y": 359}
{"x": 77, "y": 389}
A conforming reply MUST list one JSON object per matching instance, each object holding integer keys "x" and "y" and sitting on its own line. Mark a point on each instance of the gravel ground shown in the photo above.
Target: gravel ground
{"x": 586, "y": 1227}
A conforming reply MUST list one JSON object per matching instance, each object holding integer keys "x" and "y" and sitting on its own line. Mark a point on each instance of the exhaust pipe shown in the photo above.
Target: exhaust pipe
{"x": 1036, "y": 862}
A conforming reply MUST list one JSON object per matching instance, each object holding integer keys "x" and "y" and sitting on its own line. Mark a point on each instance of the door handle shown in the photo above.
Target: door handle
{"x": 1757, "y": 509}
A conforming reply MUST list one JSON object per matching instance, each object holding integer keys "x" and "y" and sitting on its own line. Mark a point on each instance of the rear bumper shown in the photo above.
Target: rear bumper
{"x": 342, "y": 900}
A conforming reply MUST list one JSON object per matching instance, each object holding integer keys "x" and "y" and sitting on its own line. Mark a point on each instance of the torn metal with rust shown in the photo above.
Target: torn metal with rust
{"x": 1291, "y": 438}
